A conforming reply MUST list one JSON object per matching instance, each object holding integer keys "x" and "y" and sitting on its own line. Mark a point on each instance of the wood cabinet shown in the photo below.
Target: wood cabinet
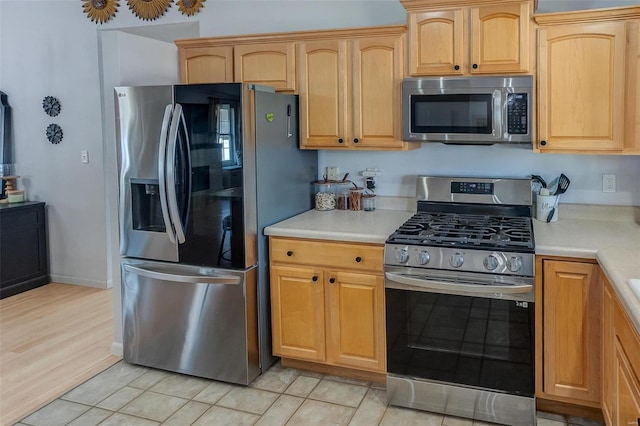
{"x": 456, "y": 38}
{"x": 620, "y": 362}
{"x": 327, "y": 302}
{"x": 587, "y": 80}
{"x": 24, "y": 261}
{"x": 206, "y": 64}
{"x": 569, "y": 302}
{"x": 270, "y": 64}
{"x": 350, "y": 92}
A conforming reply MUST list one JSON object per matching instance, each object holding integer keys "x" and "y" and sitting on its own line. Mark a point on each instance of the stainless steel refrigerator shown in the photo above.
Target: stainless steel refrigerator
{"x": 202, "y": 170}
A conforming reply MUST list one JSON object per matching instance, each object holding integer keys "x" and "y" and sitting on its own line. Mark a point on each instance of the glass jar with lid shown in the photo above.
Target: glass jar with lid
{"x": 369, "y": 202}
{"x": 355, "y": 198}
{"x": 342, "y": 194}
{"x": 325, "y": 195}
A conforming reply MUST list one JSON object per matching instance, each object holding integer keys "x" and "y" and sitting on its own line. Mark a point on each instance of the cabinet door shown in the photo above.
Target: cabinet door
{"x": 356, "y": 326}
{"x": 436, "y": 42}
{"x": 322, "y": 80}
{"x": 271, "y": 64}
{"x": 571, "y": 337}
{"x": 581, "y": 87}
{"x": 500, "y": 38}
{"x": 297, "y": 312}
{"x": 632, "y": 130}
{"x": 206, "y": 65}
{"x": 376, "y": 87}
{"x": 627, "y": 392}
{"x": 608, "y": 345}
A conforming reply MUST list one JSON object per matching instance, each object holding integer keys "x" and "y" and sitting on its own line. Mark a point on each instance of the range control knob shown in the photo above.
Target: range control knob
{"x": 515, "y": 263}
{"x": 456, "y": 260}
{"x": 402, "y": 255}
{"x": 422, "y": 257}
{"x": 491, "y": 262}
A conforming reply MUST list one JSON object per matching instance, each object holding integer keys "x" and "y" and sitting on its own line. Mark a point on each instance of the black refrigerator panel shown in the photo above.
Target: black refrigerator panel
{"x": 214, "y": 225}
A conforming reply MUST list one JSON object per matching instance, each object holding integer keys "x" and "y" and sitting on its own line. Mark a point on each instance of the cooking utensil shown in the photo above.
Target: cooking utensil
{"x": 540, "y": 180}
{"x": 563, "y": 185}
{"x": 553, "y": 185}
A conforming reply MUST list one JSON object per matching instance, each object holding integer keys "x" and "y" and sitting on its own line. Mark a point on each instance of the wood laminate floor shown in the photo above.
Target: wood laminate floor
{"x": 52, "y": 339}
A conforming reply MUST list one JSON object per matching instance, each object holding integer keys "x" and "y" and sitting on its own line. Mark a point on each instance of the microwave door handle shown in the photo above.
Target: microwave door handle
{"x": 171, "y": 174}
{"x": 182, "y": 277}
{"x": 162, "y": 166}
{"x": 428, "y": 284}
{"x": 498, "y": 113}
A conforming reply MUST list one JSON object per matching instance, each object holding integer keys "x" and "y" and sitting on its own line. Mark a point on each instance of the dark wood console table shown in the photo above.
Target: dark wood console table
{"x": 24, "y": 260}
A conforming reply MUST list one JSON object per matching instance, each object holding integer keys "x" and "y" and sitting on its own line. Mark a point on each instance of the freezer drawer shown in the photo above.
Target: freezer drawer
{"x": 192, "y": 320}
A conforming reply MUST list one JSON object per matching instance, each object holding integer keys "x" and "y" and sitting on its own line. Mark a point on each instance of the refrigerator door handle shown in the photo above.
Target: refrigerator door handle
{"x": 171, "y": 173}
{"x": 184, "y": 278}
{"x": 162, "y": 164}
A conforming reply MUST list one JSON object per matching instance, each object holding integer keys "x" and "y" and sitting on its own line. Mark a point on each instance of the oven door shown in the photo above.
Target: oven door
{"x": 461, "y": 329}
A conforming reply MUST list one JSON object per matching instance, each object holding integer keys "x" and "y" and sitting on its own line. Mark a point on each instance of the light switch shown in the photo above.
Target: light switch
{"x": 84, "y": 156}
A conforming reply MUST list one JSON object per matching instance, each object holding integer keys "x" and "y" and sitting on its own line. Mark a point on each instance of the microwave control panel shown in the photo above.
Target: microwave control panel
{"x": 517, "y": 114}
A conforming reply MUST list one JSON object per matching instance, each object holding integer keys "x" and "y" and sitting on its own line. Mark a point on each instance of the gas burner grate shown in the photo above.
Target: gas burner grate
{"x": 452, "y": 229}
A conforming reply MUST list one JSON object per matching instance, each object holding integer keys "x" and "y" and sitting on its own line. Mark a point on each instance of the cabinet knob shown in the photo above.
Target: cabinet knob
{"x": 543, "y": 143}
{"x": 355, "y": 140}
{"x": 340, "y": 140}
{"x": 332, "y": 280}
{"x": 475, "y": 66}
{"x": 358, "y": 259}
{"x": 289, "y": 253}
{"x": 314, "y": 278}
{"x": 456, "y": 67}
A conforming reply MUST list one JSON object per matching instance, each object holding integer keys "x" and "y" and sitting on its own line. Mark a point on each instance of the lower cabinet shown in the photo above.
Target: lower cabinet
{"x": 327, "y": 302}
{"x": 620, "y": 363}
{"x": 569, "y": 334}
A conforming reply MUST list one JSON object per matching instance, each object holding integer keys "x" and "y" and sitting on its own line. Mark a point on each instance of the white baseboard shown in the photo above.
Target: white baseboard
{"x": 61, "y": 279}
{"x": 117, "y": 349}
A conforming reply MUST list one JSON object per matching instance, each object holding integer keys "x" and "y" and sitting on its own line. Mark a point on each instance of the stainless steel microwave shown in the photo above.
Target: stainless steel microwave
{"x": 468, "y": 110}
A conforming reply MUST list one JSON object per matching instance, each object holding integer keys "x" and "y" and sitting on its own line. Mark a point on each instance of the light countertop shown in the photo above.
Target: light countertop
{"x": 611, "y": 235}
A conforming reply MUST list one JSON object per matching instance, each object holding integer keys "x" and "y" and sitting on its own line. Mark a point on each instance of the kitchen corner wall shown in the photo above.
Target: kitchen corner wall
{"x": 399, "y": 169}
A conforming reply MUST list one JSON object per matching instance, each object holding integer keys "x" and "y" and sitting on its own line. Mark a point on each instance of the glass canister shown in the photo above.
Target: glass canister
{"x": 355, "y": 198}
{"x": 325, "y": 195}
{"x": 342, "y": 194}
{"x": 369, "y": 202}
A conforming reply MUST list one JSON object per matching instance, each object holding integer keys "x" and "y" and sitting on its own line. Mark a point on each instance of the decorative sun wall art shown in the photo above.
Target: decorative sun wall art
{"x": 190, "y": 7}
{"x": 149, "y": 10}
{"x": 100, "y": 11}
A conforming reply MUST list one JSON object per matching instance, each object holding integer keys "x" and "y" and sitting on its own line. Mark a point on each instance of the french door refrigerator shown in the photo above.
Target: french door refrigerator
{"x": 202, "y": 170}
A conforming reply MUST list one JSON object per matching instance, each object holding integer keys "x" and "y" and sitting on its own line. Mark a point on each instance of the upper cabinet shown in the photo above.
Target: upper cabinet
{"x": 206, "y": 64}
{"x": 238, "y": 59}
{"x": 588, "y": 82}
{"x": 271, "y": 64}
{"x": 451, "y": 37}
{"x": 350, "y": 92}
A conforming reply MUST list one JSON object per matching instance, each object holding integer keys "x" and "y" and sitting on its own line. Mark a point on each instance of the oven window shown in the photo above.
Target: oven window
{"x": 461, "y": 340}
{"x": 467, "y": 114}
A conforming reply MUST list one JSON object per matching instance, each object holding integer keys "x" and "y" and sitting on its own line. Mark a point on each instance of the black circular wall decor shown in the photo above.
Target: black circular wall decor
{"x": 54, "y": 133}
{"x": 51, "y": 106}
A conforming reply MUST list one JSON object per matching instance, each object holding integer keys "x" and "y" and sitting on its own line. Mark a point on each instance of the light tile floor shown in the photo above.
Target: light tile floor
{"x": 130, "y": 395}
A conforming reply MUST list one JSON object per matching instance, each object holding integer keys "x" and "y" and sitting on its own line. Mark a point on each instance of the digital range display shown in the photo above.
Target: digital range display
{"x": 482, "y": 188}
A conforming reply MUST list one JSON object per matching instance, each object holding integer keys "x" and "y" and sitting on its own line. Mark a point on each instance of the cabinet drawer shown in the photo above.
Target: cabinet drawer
{"x": 362, "y": 257}
{"x": 628, "y": 338}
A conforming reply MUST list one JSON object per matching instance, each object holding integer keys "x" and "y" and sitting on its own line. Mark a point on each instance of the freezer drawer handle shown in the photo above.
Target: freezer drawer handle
{"x": 213, "y": 279}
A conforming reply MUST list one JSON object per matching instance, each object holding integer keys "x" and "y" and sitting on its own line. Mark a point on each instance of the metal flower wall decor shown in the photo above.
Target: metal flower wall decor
{"x": 149, "y": 10}
{"x": 190, "y": 7}
{"x": 100, "y": 11}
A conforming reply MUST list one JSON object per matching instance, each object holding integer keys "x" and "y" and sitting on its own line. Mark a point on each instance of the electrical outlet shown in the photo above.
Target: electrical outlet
{"x": 608, "y": 183}
{"x": 332, "y": 173}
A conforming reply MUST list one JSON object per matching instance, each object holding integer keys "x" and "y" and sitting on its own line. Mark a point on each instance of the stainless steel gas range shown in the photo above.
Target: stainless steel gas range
{"x": 459, "y": 289}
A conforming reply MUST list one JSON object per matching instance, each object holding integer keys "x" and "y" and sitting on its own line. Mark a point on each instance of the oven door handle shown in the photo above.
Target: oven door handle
{"x": 429, "y": 285}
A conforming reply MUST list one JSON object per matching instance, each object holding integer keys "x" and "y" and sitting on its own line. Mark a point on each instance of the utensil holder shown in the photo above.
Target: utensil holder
{"x": 544, "y": 204}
